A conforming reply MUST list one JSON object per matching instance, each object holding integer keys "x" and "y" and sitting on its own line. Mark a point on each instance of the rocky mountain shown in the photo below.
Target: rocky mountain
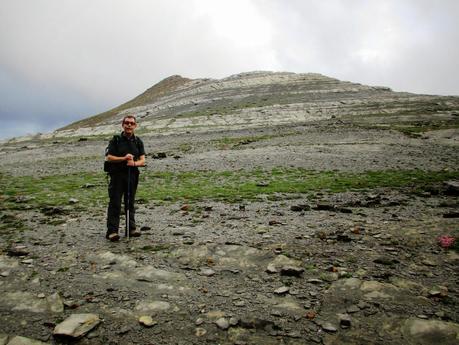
{"x": 257, "y": 99}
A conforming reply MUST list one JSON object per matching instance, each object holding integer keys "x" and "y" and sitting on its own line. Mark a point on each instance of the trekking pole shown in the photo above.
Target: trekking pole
{"x": 128, "y": 201}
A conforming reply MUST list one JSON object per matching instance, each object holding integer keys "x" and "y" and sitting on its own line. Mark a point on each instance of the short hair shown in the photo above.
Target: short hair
{"x": 129, "y": 117}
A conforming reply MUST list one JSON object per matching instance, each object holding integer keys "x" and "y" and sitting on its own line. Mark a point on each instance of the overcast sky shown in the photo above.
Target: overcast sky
{"x": 63, "y": 60}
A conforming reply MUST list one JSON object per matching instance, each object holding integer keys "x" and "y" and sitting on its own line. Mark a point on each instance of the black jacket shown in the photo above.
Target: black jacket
{"x": 119, "y": 146}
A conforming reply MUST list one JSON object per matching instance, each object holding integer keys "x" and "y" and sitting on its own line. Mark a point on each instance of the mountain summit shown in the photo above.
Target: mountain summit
{"x": 255, "y": 99}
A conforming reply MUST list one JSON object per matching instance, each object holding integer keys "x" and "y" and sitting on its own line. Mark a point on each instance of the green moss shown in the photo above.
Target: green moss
{"x": 231, "y": 186}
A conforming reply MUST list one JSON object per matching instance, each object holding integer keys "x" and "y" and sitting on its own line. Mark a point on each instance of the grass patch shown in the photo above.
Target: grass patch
{"x": 250, "y": 185}
{"x": 56, "y": 190}
{"x": 230, "y": 186}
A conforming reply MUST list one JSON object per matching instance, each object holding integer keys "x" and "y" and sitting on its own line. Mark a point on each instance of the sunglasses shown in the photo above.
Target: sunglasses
{"x": 129, "y": 123}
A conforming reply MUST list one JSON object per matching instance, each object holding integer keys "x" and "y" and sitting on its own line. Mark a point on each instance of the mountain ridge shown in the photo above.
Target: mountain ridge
{"x": 257, "y": 99}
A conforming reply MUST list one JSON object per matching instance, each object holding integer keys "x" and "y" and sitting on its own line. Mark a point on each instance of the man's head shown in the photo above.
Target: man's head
{"x": 129, "y": 124}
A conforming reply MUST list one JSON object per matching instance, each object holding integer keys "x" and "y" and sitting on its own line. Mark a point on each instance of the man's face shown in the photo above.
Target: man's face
{"x": 129, "y": 125}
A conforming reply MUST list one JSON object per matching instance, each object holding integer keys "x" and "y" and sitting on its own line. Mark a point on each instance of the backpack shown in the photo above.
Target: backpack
{"x": 108, "y": 166}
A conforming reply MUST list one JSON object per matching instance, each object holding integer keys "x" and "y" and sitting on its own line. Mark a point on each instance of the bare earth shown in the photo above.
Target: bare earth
{"x": 363, "y": 269}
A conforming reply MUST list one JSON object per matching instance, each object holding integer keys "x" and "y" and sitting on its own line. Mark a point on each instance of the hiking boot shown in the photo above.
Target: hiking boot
{"x": 134, "y": 233}
{"x": 113, "y": 237}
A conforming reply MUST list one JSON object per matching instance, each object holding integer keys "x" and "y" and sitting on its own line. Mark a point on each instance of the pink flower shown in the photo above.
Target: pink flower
{"x": 446, "y": 241}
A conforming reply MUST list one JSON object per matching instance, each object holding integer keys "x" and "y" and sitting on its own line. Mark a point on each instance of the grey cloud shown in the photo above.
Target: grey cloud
{"x": 84, "y": 56}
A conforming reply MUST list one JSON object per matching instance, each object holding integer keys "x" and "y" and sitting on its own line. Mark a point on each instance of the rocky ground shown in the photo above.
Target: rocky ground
{"x": 357, "y": 267}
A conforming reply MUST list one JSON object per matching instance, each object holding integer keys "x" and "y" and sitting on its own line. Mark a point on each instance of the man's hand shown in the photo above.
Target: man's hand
{"x": 131, "y": 163}
{"x": 129, "y": 158}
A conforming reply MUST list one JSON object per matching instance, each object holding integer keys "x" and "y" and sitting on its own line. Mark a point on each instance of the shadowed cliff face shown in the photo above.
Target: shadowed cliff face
{"x": 261, "y": 99}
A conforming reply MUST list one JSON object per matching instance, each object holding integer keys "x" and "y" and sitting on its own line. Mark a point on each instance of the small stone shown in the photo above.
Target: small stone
{"x": 385, "y": 260}
{"x": 429, "y": 262}
{"x": 329, "y": 327}
{"x": 199, "y": 321}
{"x": 233, "y": 321}
{"x": 271, "y": 269}
{"x": 440, "y": 314}
{"x": 123, "y": 330}
{"x": 147, "y": 321}
{"x": 282, "y": 290}
{"x": 73, "y": 201}
{"x": 200, "y": 332}
{"x": 315, "y": 281}
{"x": 5, "y": 274}
{"x": 299, "y": 208}
{"x": 438, "y": 291}
{"x": 41, "y": 295}
{"x": 77, "y": 325}
{"x": 222, "y": 323}
{"x": 353, "y": 309}
{"x": 363, "y": 305}
{"x": 451, "y": 188}
{"x": 208, "y": 272}
{"x": 185, "y": 207}
{"x": 344, "y": 320}
{"x": 310, "y": 315}
{"x": 239, "y": 303}
{"x": 292, "y": 271}
{"x": 18, "y": 251}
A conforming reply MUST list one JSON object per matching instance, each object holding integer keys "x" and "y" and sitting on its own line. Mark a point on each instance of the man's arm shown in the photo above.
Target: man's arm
{"x": 117, "y": 159}
{"x": 138, "y": 163}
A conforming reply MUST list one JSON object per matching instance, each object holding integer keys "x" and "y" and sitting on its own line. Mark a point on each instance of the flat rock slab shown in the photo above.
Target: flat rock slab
{"x": 25, "y": 301}
{"x": 430, "y": 332}
{"x": 152, "y": 274}
{"x": 7, "y": 262}
{"x": 123, "y": 261}
{"x": 77, "y": 325}
{"x": 223, "y": 256}
{"x": 152, "y": 306}
{"x": 18, "y": 340}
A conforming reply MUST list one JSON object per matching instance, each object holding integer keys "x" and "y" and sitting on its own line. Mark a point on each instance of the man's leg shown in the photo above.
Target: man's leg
{"x": 115, "y": 193}
{"x": 133, "y": 183}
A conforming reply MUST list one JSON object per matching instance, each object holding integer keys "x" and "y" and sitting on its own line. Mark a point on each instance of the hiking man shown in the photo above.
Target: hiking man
{"x": 124, "y": 154}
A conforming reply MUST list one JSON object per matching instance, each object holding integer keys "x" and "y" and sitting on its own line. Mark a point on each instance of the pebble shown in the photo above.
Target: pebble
{"x": 315, "y": 281}
{"x": 329, "y": 327}
{"x": 200, "y": 332}
{"x": 208, "y": 272}
{"x": 76, "y": 325}
{"x": 18, "y": 251}
{"x": 292, "y": 271}
{"x": 353, "y": 309}
{"x": 233, "y": 321}
{"x": 271, "y": 269}
{"x": 147, "y": 321}
{"x": 222, "y": 323}
{"x": 282, "y": 290}
{"x": 344, "y": 320}
{"x": 429, "y": 262}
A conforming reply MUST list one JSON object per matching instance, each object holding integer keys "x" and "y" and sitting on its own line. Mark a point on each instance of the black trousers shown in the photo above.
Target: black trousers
{"x": 117, "y": 188}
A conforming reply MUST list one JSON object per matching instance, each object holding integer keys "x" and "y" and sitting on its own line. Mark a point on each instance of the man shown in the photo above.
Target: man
{"x": 125, "y": 153}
